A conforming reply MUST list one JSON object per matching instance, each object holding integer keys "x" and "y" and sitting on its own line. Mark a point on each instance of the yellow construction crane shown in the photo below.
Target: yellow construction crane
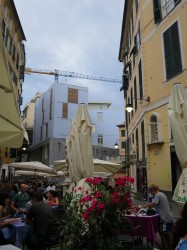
{"x": 58, "y": 73}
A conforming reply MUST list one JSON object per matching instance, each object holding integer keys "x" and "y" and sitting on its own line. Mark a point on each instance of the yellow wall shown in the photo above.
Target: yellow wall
{"x": 155, "y": 84}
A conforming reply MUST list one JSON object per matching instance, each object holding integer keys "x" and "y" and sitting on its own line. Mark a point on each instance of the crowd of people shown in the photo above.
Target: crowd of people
{"x": 35, "y": 201}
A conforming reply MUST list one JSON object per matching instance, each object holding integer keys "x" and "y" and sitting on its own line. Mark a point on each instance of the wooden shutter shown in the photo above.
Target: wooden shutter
{"x": 72, "y": 95}
{"x": 64, "y": 110}
{"x": 157, "y": 11}
{"x": 172, "y": 51}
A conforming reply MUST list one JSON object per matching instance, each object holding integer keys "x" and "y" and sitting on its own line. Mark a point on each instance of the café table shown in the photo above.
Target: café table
{"x": 16, "y": 231}
{"x": 8, "y": 247}
{"x": 148, "y": 226}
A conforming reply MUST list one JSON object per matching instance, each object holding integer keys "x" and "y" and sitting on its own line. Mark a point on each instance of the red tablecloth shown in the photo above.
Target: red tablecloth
{"x": 148, "y": 226}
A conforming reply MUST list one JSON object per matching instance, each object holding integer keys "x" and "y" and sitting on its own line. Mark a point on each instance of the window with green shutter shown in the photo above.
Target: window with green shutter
{"x": 173, "y": 62}
{"x": 123, "y": 144}
{"x": 122, "y": 133}
{"x": 157, "y": 11}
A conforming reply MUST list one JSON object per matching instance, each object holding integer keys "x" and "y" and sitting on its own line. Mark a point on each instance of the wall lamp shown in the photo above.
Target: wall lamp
{"x": 116, "y": 146}
{"x": 129, "y": 106}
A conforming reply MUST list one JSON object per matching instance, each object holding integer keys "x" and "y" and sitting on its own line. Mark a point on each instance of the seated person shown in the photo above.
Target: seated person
{"x": 4, "y": 214}
{"x": 52, "y": 198}
{"x": 20, "y": 199}
{"x": 39, "y": 215}
{"x": 4, "y": 205}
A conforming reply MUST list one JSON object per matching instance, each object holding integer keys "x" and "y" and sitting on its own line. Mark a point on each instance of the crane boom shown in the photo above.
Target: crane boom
{"x": 58, "y": 73}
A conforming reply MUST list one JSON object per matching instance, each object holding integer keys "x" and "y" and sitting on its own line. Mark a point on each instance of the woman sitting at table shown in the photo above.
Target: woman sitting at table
{"x": 4, "y": 214}
{"x": 52, "y": 198}
{"x": 4, "y": 204}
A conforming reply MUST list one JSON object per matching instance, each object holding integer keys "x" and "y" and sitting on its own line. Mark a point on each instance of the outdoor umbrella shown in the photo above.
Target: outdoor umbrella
{"x": 79, "y": 145}
{"x": 11, "y": 129}
{"x": 99, "y": 166}
{"x": 106, "y": 166}
{"x": 30, "y": 173}
{"x": 177, "y": 110}
{"x": 33, "y": 166}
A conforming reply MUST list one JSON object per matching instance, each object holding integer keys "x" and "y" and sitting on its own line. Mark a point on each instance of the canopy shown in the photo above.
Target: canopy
{"x": 99, "y": 166}
{"x": 177, "y": 110}
{"x": 106, "y": 166}
{"x": 79, "y": 145}
{"x": 30, "y": 173}
{"x": 33, "y": 166}
{"x": 11, "y": 130}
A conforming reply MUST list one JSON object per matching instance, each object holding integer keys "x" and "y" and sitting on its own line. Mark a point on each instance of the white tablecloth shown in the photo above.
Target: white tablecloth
{"x": 8, "y": 247}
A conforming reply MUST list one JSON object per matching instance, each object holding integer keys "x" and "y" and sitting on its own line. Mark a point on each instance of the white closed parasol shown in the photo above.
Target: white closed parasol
{"x": 177, "y": 110}
{"x": 79, "y": 145}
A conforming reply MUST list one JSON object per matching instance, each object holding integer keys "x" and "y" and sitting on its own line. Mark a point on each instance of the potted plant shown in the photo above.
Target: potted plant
{"x": 93, "y": 213}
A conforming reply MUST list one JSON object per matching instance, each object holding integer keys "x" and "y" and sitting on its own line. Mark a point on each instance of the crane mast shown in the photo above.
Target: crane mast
{"x": 58, "y": 73}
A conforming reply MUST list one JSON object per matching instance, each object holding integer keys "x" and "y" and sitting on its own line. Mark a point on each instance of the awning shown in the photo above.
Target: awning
{"x": 11, "y": 131}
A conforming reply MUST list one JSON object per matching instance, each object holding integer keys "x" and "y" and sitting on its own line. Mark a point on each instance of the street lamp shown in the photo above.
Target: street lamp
{"x": 129, "y": 106}
{"x": 116, "y": 146}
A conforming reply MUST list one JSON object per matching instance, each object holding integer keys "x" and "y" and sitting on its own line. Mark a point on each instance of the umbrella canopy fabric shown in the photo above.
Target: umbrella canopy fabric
{"x": 33, "y": 166}
{"x": 79, "y": 145}
{"x": 177, "y": 110}
{"x": 99, "y": 166}
{"x": 30, "y": 173}
{"x": 106, "y": 166}
{"x": 11, "y": 130}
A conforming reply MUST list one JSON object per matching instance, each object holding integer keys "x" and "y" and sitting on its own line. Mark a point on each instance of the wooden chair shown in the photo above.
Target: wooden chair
{"x": 126, "y": 236}
{"x": 54, "y": 236}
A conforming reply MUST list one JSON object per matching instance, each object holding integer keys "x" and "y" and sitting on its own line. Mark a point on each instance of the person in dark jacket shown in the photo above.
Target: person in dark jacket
{"x": 39, "y": 216}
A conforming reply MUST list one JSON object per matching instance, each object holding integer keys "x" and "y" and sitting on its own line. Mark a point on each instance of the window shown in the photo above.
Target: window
{"x": 42, "y": 111}
{"x": 10, "y": 45}
{"x": 17, "y": 62}
{"x": 161, "y": 8}
{"x": 123, "y": 133}
{"x": 51, "y": 105}
{"x": 100, "y": 116}
{"x": 72, "y": 95}
{"x": 140, "y": 79}
{"x": 100, "y": 139}
{"x": 135, "y": 95}
{"x": 41, "y": 133}
{"x": 123, "y": 144}
{"x": 132, "y": 113}
{"x": 157, "y": 11}
{"x": 133, "y": 138}
{"x": 137, "y": 144}
{"x": 143, "y": 139}
{"x": 173, "y": 62}
{"x": 6, "y": 37}
{"x": 136, "y": 4}
{"x": 14, "y": 53}
{"x": 154, "y": 129}
{"x": 64, "y": 110}
{"x": 46, "y": 130}
{"x": 3, "y": 29}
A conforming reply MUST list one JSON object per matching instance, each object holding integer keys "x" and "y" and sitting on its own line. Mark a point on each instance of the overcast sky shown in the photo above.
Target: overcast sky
{"x": 82, "y": 36}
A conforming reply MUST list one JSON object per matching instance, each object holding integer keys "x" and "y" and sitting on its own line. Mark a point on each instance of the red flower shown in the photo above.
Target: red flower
{"x": 80, "y": 188}
{"x": 86, "y": 216}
